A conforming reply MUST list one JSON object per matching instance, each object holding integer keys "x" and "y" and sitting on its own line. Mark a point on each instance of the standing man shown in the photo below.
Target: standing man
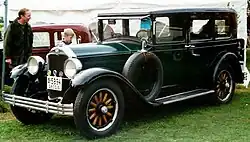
{"x": 18, "y": 39}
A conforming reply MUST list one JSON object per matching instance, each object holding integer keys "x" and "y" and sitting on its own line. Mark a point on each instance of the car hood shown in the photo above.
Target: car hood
{"x": 114, "y": 47}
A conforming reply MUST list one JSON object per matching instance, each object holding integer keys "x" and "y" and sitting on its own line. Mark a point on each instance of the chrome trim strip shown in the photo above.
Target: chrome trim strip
{"x": 46, "y": 106}
{"x": 189, "y": 97}
{"x": 177, "y": 94}
{"x": 122, "y": 17}
{"x": 64, "y": 49}
{"x": 59, "y": 50}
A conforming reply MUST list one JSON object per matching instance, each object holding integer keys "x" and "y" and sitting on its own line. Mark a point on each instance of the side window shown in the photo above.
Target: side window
{"x": 201, "y": 29}
{"x": 165, "y": 32}
{"x": 221, "y": 29}
{"x": 41, "y": 40}
{"x": 107, "y": 31}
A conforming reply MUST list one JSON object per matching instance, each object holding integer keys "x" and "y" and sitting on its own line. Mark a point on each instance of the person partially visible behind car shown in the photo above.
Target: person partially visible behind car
{"x": 68, "y": 34}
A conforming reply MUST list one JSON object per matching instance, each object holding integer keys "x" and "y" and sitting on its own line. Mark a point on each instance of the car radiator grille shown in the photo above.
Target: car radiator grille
{"x": 56, "y": 65}
{"x": 56, "y": 62}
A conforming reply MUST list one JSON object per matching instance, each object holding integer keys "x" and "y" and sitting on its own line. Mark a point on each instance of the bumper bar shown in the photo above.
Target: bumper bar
{"x": 40, "y": 105}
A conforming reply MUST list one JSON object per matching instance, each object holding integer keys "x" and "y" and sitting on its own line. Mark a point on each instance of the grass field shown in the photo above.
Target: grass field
{"x": 186, "y": 121}
{"x": 176, "y": 122}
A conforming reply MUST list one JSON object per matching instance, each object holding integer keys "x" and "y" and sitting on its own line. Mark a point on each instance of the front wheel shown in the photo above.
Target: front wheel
{"x": 24, "y": 115}
{"x": 99, "y": 109}
{"x": 224, "y": 84}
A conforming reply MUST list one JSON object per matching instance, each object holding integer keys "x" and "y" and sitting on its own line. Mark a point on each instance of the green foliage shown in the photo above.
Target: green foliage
{"x": 1, "y": 20}
{"x": 1, "y": 27}
{"x": 3, "y": 106}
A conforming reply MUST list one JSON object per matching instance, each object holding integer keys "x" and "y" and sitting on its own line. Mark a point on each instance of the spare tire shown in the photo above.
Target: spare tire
{"x": 144, "y": 70}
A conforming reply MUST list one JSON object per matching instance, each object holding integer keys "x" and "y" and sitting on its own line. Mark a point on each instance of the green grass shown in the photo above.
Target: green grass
{"x": 185, "y": 121}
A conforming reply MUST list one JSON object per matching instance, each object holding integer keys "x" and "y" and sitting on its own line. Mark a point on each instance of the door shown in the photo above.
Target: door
{"x": 170, "y": 48}
{"x": 199, "y": 47}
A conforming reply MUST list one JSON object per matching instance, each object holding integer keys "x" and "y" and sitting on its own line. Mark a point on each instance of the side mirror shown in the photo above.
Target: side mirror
{"x": 79, "y": 40}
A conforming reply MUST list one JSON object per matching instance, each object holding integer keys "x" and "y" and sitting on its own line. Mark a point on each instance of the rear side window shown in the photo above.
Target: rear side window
{"x": 209, "y": 25}
{"x": 201, "y": 29}
{"x": 222, "y": 29}
{"x": 41, "y": 39}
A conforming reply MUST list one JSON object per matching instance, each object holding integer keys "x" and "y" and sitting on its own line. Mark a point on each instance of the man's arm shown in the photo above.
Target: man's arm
{"x": 30, "y": 41}
{"x": 7, "y": 42}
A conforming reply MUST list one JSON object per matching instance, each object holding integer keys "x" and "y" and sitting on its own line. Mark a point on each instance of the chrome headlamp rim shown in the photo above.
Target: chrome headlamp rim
{"x": 37, "y": 64}
{"x": 77, "y": 67}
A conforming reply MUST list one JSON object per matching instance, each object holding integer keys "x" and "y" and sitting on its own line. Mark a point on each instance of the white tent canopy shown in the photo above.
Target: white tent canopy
{"x": 62, "y": 11}
{"x": 78, "y": 11}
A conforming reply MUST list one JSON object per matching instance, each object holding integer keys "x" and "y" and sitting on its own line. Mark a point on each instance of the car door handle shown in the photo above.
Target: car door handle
{"x": 194, "y": 54}
{"x": 192, "y": 50}
{"x": 188, "y": 46}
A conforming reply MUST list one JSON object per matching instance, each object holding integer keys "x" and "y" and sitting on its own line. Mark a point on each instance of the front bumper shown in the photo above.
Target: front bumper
{"x": 40, "y": 105}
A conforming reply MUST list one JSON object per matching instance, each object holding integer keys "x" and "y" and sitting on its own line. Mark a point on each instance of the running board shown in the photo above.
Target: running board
{"x": 183, "y": 96}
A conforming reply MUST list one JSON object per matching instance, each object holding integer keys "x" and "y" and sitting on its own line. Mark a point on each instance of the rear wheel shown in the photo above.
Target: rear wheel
{"x": 99, "y": 109}
{"x": 224, "y": 84}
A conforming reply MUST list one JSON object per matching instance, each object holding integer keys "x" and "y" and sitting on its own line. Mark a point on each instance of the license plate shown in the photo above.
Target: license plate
{"x": 54, "y": 83}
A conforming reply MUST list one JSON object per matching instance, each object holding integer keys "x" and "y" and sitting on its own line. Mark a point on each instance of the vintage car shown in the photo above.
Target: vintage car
{"x": 46, "y": 36}
{"x": 154, "y": 57}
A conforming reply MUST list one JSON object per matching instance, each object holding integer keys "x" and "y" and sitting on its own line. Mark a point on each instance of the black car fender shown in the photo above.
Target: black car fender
{"x": 21, "y": 74}
{"x": 88, "y": 76}
{"x": 231, "y": 59}
{"x": 23, "y": 70}
{"x": 18, "y": 70}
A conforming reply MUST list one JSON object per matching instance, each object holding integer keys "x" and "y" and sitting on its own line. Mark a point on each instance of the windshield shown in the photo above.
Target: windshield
{"x": 130, "y": 28}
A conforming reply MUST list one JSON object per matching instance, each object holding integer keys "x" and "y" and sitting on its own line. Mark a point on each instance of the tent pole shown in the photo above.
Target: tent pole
{"x": 5, "y": 27}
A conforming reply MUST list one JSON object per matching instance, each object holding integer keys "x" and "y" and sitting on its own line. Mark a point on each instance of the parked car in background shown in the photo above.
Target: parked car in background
{"x": 46, "y": 36}
{"x": 155, "y": 57}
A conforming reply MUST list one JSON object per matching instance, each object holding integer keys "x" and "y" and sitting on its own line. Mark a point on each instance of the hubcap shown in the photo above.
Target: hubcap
{"x": 227, "y": 85}
{"x": 102, "y": 109}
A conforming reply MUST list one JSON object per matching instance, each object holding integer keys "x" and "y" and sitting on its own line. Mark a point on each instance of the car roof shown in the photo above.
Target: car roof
{"x": 44, "y": 27}
{"x": 165, "y": 11}
{"x": 56, "y": 25}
